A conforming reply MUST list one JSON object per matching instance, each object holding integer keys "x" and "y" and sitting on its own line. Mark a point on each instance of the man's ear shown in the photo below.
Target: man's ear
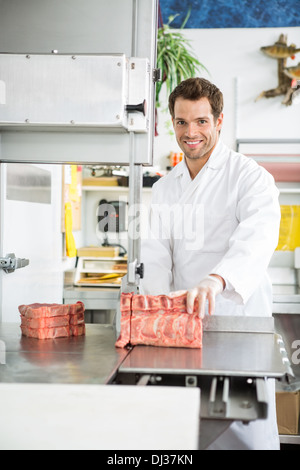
{"x": 219, "y": 122}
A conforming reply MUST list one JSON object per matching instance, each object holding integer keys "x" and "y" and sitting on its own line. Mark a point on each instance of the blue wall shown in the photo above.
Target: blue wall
{"x": 233, "y": 13}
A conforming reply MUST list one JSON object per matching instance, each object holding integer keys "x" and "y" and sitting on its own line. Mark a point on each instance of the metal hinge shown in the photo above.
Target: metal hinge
{"x": 135, "y": 269}
{"x": 156, "y": 75}
{"x": 10, "y": 263}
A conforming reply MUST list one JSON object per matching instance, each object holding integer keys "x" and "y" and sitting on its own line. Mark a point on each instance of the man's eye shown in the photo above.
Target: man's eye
{"x": 180, "y": 123}
{"x": 202, "y": 121}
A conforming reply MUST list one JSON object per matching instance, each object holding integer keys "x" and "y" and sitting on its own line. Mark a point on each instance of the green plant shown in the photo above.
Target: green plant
{"x": 175, "y": 58}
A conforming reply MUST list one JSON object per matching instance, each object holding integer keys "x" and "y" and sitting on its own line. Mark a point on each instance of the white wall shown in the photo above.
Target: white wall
{"x": 242, "y": 72}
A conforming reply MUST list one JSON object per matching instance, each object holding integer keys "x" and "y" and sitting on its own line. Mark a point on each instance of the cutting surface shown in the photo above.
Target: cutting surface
{"x": 223, "y": 353}
{"x": 92, "y": 358}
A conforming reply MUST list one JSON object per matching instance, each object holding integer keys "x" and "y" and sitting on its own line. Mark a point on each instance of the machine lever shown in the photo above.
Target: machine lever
{"x": 139, "y": 108}
{"x": 140, "y": 270}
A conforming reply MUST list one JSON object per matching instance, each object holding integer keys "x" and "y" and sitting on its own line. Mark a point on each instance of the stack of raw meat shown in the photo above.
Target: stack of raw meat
{"x": 48, "y": 321}
{"x": 158, "y": 321}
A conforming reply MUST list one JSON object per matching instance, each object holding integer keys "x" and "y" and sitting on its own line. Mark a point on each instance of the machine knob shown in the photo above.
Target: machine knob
{"x": 140, "y": 270}
{"x": 137, "y": 108}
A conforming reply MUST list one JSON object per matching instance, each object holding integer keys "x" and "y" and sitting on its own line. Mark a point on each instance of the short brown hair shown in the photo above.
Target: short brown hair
{"x": 194, "y": 89}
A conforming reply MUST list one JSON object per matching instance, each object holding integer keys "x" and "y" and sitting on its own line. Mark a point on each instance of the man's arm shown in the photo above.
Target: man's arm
{"x": 251, "y": 245}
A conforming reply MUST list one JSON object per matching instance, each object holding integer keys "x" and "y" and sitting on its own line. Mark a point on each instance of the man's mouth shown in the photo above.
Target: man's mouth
{"x": 193, "y": 143}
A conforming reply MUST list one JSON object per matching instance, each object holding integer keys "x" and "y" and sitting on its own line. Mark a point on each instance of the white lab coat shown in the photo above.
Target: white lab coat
{"x": 225, "y": 221}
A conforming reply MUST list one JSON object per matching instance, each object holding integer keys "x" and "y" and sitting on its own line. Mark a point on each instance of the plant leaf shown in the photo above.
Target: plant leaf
{"x": 175, "y": 57}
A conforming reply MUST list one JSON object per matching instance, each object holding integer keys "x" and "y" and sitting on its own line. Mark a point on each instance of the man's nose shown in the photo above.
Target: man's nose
{"x": 192, "y": 129}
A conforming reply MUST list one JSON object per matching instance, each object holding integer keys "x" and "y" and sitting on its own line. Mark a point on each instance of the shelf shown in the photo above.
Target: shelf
{"x": 104, "y": 271}
{"x": 125, "y": 189}
{"x": 116, "y": 189}
{"x": 104, "y": 258}
{"x": 289, "y": 190}
{"x": 99, "y": 268}
{"x": 288, "y": 187}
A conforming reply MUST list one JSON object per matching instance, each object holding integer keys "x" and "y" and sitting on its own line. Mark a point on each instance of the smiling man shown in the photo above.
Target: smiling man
{"x": 197, "y": 129}
{"x": 232, "y": 204}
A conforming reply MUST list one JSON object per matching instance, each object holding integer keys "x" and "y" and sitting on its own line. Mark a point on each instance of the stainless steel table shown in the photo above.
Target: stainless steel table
{"x": 238, "y": 354}
{"x": 54, "y": 394}
{"x": 232, "y": 346}
{"x": 90, "y": 359}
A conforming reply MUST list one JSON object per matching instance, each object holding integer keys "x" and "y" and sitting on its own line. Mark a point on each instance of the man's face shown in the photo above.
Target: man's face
{"x": 195, "y": 127}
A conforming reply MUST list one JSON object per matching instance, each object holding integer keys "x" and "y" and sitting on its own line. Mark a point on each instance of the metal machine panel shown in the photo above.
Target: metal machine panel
{"x": 223, "y": 354}
{"x": 68, "y": 90}
{"x": 95, "y": 126}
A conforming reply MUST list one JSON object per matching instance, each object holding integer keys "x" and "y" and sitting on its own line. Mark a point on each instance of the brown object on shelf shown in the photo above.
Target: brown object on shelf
{"x": 101, "y": 181}
{"x": 288, "y": 409}
{"x": 98, "y": 251}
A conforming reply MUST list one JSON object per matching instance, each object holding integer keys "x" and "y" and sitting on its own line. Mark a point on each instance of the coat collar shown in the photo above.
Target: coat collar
{"x": 216, "y": 160}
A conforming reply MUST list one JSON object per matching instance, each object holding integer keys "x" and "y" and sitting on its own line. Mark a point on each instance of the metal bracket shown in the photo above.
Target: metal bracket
{"x": 219, "y": 397}
{"x": 10, "y": 263}
{"x": 156, "y": 75}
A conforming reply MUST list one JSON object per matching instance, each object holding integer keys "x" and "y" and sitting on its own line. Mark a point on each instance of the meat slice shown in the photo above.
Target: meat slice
{"x": 50, "y": 310}
{"x": 77, "y": 330}
{"x": 158, "y": 321}
{"x": 45, "y": 321}
{"x": 46, "y": 333}
{"x": 43, "y": 310}
{"x": 76, "y": 309}
{"x": 76, "y": 319}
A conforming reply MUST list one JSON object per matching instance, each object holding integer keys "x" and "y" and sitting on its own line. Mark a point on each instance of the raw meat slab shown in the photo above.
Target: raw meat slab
{"x": 48, "y": 321}
{"x": 158, "y": 321}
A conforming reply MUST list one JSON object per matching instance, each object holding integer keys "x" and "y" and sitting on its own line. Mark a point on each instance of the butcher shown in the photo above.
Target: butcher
{"x": 214, "y": 225}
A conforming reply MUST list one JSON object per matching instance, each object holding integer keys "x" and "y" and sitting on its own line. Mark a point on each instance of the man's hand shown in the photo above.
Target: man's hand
{"x": 208, "y": 289}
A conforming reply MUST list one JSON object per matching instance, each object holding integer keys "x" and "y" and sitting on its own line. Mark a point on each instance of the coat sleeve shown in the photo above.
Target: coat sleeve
{"x": 255, "y": 238}
{"x": 156, "y": 253}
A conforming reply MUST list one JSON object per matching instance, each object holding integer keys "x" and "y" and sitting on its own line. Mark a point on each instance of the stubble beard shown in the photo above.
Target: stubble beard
{"x": 201, "y": 154}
